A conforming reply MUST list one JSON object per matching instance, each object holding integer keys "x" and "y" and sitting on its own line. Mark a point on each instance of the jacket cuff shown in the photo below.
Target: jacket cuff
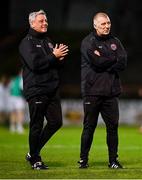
{"x": 52, "y": 58}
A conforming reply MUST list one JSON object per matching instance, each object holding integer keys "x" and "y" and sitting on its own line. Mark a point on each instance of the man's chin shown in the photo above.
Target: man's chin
{"x": 44, "y": 30}
{"x": 106, "y": 33}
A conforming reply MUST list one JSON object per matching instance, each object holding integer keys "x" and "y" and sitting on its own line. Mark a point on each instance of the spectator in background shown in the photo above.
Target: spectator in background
{"x": 103, "y": 57}
{"x": 17, "y": 104}
{"x": 41, "y": 65}
{"x": 4, "y": 99}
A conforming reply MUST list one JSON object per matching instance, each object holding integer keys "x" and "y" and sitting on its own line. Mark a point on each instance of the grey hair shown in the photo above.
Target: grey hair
{"x": 33, "y": 15}
{"x": 98, "y": 15}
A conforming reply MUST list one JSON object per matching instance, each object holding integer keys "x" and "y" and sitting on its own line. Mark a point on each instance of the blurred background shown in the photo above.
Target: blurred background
{"x": 69, "y": 22}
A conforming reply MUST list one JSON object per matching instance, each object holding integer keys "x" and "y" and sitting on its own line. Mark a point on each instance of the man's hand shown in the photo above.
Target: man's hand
{"x": 60, "y": 51}
{"x": 97, "y": 53}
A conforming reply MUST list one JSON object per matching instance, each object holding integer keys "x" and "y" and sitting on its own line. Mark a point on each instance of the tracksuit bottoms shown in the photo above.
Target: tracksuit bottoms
{"x": 109, "y": 110}
{"x": 43, "y": 108}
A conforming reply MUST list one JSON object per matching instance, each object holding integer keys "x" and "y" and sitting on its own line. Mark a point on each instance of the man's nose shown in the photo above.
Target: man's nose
{"x": 45, "y": 22}
{"x": 108, "y": 25}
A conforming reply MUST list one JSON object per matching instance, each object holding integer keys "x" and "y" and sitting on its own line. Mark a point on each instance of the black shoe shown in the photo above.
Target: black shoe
{"x": 28, "y": 157}
{"x": 115, "y": 165}
{"x": 83, "y": 164}
{"x": 39, "y": 165}
{"x": 33, "y": 159}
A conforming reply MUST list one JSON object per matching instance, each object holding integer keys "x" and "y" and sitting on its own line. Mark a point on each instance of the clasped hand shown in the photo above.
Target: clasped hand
{"x": 60, "y": 51}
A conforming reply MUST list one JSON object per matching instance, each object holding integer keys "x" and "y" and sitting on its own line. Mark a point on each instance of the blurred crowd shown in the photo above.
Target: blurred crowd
{"x": 14, "y": 109}
{"x": 12, "y": 103}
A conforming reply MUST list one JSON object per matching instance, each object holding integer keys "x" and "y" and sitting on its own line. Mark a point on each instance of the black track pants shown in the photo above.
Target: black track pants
{"x": 108, "y": 107}
{"x": 41, "y": 108}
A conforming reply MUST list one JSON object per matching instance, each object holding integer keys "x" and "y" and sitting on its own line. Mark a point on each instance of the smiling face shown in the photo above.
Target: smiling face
{"x": 102, "y": 24}
{"x": 40, "y": 23}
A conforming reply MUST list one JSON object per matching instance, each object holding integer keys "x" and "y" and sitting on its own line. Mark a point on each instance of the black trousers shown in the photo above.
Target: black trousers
{"x": 41, "y": 108}
{"x": 108, "y": 107}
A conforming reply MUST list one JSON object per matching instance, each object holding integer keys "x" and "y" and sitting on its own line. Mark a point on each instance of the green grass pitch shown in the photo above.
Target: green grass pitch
{"x": 62, "y": 153}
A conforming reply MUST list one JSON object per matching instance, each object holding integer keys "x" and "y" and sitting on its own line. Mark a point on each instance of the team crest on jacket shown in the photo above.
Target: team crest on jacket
{"x": 113, "y": 47}
{"x": 50, "y": 45}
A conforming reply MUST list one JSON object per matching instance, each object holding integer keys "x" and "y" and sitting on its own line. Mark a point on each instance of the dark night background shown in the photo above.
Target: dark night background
{"x": 69, "y": 22}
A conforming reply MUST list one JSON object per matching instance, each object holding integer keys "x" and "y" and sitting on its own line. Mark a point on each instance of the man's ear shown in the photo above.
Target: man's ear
{"x": 94, "y": 25}
{"x": 32, "y": 24}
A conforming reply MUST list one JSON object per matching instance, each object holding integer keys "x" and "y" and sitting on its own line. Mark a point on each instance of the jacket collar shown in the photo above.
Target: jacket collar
{"x": 102, "y": 38}
{"x": 37, "y": 34}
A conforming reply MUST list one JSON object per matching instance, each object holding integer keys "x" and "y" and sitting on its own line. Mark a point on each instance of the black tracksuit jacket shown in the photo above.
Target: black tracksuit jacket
{"x": 40, "y": 66}
{"x": 99, "y": 74}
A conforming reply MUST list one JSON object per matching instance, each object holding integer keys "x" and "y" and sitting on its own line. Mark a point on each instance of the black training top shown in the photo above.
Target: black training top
{"x": 99, "y": 74}
{"x": 40, "y": 66}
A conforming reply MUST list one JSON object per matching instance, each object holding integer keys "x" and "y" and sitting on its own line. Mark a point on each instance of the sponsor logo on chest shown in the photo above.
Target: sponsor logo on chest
{"x": 113, "y": 47}
{"x": 50, "y": 45}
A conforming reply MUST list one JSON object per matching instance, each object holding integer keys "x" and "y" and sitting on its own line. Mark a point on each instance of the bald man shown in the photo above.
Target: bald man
{"x": 102, "y": 58}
